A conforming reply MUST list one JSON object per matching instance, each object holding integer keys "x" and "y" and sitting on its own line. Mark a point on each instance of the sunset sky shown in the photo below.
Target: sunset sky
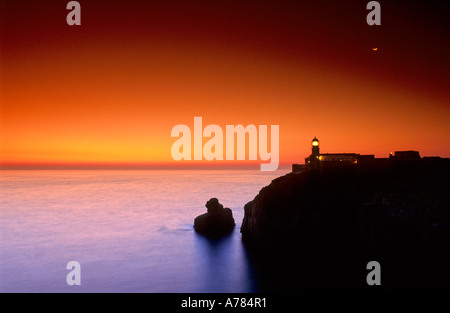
{"x": 108, "y": 92}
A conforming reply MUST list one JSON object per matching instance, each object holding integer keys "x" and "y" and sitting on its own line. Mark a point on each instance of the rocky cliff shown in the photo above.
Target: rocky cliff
{"x": 320, "y": 229}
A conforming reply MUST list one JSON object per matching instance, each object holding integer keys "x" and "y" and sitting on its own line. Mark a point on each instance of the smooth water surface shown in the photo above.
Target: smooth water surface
{"x": 131, "y": 231}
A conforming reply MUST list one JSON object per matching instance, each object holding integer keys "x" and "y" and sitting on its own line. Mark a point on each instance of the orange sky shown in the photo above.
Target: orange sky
{"x": 110, "y": 91}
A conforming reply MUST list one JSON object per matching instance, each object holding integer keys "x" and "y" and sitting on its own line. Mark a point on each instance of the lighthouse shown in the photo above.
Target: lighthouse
{"x": 314, "y": 158}
{"x": 315, "y": 148}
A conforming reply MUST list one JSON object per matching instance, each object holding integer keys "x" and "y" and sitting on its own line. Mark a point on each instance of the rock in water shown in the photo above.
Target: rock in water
{"x": 217, "y": 222}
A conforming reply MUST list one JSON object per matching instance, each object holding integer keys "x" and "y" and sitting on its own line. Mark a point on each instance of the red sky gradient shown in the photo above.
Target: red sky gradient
{"x": 108, "y": 92}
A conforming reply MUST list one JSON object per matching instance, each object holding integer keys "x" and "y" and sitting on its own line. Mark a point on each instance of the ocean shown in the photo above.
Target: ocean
{"x": 130, "y": 230}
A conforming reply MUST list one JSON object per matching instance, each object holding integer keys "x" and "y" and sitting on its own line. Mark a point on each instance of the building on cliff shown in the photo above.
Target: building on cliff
{"x": 318, "y": 160}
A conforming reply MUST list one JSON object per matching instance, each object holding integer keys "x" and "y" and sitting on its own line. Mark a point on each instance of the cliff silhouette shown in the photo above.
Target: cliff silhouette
{"x": 317, "y": 230}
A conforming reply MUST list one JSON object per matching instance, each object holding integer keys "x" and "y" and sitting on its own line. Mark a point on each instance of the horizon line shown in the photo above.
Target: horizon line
{"x": 133, "y": 166}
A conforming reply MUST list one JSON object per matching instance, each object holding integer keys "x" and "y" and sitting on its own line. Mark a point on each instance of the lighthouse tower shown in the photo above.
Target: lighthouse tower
{"x": 314, "y": 157}
{"x": 315, "y": 148}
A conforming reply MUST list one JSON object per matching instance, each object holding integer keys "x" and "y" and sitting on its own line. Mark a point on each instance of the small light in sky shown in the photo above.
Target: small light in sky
{"x": 375, "y": 49}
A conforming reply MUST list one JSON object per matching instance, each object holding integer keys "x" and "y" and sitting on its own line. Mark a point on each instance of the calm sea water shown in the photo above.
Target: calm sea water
{"x": 131, "y": 231}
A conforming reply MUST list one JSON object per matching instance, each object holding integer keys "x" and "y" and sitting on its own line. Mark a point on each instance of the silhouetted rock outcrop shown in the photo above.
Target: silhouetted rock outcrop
{"x": 318, "y": 230}
{"x": 218, "y": 221}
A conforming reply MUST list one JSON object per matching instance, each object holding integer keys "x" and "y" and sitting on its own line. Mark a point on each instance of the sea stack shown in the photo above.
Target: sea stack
{"x": 216, "y": 222}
